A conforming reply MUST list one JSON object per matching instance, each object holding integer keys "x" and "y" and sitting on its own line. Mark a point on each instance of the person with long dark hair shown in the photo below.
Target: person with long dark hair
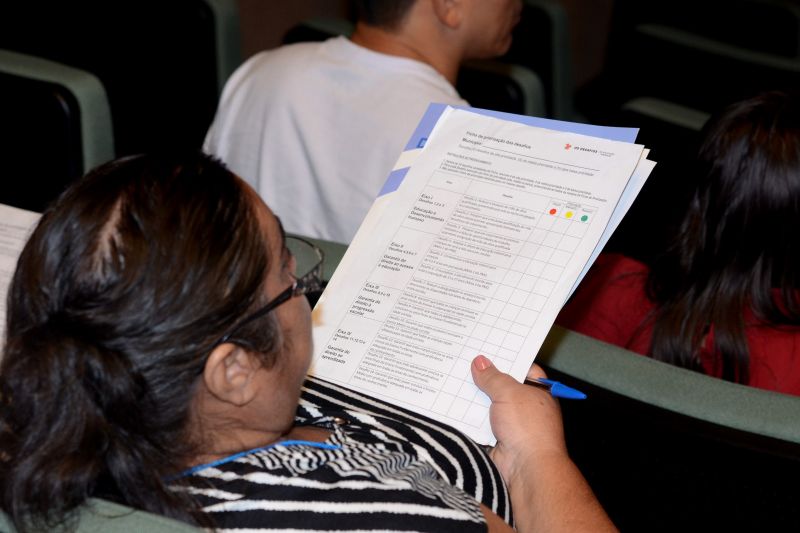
{"x": 156, "y": 351}
{"x": 724, "y": 299}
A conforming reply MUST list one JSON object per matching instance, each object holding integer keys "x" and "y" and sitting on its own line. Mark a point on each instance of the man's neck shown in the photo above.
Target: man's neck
{"x": 402, "y": 44}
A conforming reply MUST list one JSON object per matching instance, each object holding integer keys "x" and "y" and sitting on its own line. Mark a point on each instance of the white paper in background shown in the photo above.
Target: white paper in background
{"x": 475, "y": 253}
{"x": 15, "y": 227}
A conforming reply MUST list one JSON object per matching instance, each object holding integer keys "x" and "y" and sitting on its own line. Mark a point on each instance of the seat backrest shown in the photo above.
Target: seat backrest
{"x": 541, "y": 42}
{"x": 162, "y": 63}
{"x": 102, "y": 516}
{"x": 318, "y": 29}
{"x": 705, "y": 73}
{"x": 672, "y": 132}
{"x": 333, "y": 251}
{"x": 227, "y": 38}
{"x": 56, "y": 124}
{"x": 490, "y": 84}
{"x": 667, "y": 449}
{"x": 766, "y": 26}
{"x": 704, "y": 55}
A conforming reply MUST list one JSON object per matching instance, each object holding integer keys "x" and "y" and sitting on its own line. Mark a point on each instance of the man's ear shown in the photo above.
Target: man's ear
{"x": 449, "y": 12}
{"x": 229, "y": 374}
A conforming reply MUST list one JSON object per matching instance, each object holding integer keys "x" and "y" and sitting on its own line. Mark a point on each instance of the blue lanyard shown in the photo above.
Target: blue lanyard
{"x": 197, "y": 468}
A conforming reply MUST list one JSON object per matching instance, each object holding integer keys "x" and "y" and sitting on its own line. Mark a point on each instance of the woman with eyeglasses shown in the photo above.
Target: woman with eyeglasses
{"x": 156, "y": 355}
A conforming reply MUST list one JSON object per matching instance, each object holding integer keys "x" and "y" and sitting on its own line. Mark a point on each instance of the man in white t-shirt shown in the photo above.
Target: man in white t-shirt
{"x": 316, "y": 128}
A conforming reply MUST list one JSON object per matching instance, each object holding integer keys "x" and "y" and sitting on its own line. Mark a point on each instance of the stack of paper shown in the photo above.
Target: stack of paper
{"x": 473, "y": 246}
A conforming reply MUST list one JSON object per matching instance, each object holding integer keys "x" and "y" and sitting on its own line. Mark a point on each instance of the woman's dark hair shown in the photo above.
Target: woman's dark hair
{"x": 118, "y": 297}
{"x": 387, "y": 14}
{"x": 739, "y": 244}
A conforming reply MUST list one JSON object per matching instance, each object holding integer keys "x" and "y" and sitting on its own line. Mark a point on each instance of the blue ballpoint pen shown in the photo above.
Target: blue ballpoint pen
{"x": 556, "y": 388}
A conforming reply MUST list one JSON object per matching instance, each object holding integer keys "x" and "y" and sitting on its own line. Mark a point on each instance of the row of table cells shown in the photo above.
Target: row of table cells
{"x": 529, "y": 282}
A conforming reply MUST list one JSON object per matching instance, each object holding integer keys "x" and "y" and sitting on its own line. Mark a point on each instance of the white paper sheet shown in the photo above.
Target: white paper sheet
{"x": 475, "y": 253}
{"x": 15, "y": 227}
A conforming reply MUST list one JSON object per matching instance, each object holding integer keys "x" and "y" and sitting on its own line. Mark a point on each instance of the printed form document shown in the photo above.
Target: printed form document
{"x": 475, "y": 252}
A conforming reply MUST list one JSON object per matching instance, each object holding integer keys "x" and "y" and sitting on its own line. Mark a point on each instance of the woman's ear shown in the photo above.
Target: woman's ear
{"x": 229, "y": 374}
{"x": 449, "y": 12}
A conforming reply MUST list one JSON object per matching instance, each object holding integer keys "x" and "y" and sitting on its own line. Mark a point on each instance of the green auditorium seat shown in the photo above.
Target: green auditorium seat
{"x": 56, "y": 125}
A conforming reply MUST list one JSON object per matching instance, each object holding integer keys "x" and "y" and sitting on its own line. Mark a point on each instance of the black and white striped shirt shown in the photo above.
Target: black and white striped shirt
{"x": 382, "y": 469}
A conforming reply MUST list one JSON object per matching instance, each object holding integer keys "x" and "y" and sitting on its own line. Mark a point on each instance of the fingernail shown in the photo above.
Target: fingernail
{"x": 481, "y": 362}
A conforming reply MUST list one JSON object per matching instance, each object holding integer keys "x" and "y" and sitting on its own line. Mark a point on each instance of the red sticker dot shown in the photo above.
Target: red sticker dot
{"x": 552, "y": 211}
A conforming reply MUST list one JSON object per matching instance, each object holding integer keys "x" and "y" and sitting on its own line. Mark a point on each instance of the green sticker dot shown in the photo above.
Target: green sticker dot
{"x": 584, "y": 218}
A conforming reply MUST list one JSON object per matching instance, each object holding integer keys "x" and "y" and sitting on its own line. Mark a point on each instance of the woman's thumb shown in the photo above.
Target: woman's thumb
{"x": 487, "y": 377}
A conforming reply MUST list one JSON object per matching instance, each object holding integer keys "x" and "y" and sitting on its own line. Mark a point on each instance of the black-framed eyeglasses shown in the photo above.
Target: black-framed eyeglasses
{"x": 305, "y": 253}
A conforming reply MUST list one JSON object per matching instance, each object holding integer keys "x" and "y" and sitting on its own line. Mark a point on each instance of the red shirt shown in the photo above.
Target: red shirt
{"x": 611, "y": 304}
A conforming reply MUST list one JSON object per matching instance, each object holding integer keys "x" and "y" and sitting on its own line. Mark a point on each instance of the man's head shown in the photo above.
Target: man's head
{"x": 484, "y": 25}
{"x": 442, "y": 33}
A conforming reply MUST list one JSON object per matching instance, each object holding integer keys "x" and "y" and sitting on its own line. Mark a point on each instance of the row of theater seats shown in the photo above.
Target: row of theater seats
{"x": 157, "y": 68}
{"x": 162, "y": 66}
{"x": 697, "y": 54}
{"x": 669, "y": 65}
{"x": 85, "y": 81}
{"x": 666, "y": 449}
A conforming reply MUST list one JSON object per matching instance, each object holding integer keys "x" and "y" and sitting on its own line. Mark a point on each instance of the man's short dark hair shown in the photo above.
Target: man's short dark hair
{"x": 386, "y": 14}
